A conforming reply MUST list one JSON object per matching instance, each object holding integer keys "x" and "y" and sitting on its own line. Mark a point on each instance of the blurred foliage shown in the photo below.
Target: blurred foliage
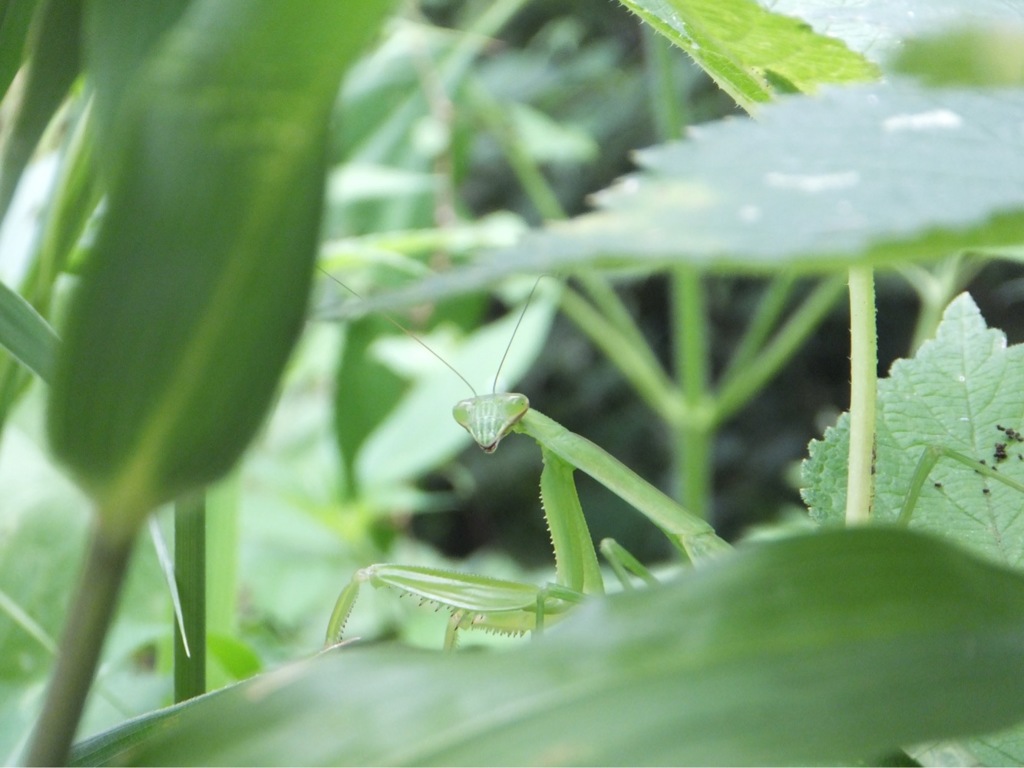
{"x": 971, "y": 56}
{"x": 469, "y": 122}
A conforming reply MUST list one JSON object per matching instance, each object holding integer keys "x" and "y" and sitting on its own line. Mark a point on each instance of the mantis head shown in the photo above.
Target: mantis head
{"x": 488, "y": 418}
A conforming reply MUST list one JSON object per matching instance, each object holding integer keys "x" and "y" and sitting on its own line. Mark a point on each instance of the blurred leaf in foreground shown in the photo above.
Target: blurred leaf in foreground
{"x": 832, "y": 647}
{"x": 197, "y": 286}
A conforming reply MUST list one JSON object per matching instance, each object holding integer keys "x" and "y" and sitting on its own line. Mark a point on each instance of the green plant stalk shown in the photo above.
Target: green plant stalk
{"x": 190, "y": 573}
{"x": 860, "y": 482}
{"x": 694, "y": 436}
{"x": 667, "y": 108}
{"x": 632, "y": 360}
{"x": 495, "y": 117}
{"x": 769, "y": 309}
{"x": 935, "y": 289}
{"x": 82, "y": 640}
{"x": 629, "y": 345}
{"x": 608, "y": 302}
{"x": 746, "y": 381}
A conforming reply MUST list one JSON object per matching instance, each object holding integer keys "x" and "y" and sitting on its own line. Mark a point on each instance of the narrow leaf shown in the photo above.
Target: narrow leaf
{"x": 26, "y": 335}
{"x": 15, "y": 16}
{"x": 55, "y": 62}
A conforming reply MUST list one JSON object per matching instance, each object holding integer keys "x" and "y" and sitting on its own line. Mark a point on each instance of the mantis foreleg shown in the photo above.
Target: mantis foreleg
{"x": 691, "y": 534}
{"x": 575, "y": 560}
{"x": 498, "y": 605}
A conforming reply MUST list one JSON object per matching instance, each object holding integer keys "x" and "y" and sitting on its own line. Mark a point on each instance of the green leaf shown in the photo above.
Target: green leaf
{"x": 1003, "y": 748}
{"x": 747, "y": 49}
{"x": 975, "y": 56}
{"x": 833, "y": 647}
{"x": 883, "y": 172}
{"x": 55, "y": 61}
{"x": 237, "y": 659}
{"x": 870, "y": 173}
{"x": 120, "y": 38}
{"x": 955, "y": 393}
{"x": 877, "y": 27}
{"x": 15, "y": 16}
{"x": 26, "y": 335}
{"x": 197, "y": 286}
{"x": 366, "y": 391}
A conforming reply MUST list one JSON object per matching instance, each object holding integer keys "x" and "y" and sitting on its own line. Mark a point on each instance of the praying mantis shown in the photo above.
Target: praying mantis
{"x": 514, "y": 608}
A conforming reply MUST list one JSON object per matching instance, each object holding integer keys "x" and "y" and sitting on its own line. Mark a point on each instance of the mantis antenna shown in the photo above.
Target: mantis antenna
{"x": 420, "y": 341}
{"x": 529, "y": 298}
{"x": 487, "y": 418}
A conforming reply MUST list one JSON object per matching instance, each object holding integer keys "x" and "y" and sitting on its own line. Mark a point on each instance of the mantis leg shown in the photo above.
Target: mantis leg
{"x": 342, "y": 610}
{"x": 576, "y": 568}
{"x": 691, "y": 534}
{"x": 624, "y": 564}
{"x": 497, "y": 605}
{"x": 576, "y": 564}
{"x": 927, "y": 462}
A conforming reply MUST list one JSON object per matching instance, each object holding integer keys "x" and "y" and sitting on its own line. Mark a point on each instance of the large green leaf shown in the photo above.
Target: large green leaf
{"x": 120, "y": 38}
{"x": 824, "y": 648}
{"x": 956, "y": 392}
{"x": 876, "y": 27}
{"x": 750, "y": 52}
{"x": 197, "y": 286}
{"x": 878, "y": 173}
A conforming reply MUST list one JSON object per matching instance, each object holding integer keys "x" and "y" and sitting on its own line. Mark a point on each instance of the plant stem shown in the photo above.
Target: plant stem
{"x": 634, "y": 361}
{"x": 694, "y": 436}
{"x": 496, "y": 117}
{"x": 744, "y": 382}
{"x": 935, "y": 288}
{"x": 769, "y": 309}
{"x": 82, "y": 640}
{"x": 666, "y": 101}
{"x": 190, "y": 573}
{"x": 614, "y": 309}
{"x": 860, "y": 483}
